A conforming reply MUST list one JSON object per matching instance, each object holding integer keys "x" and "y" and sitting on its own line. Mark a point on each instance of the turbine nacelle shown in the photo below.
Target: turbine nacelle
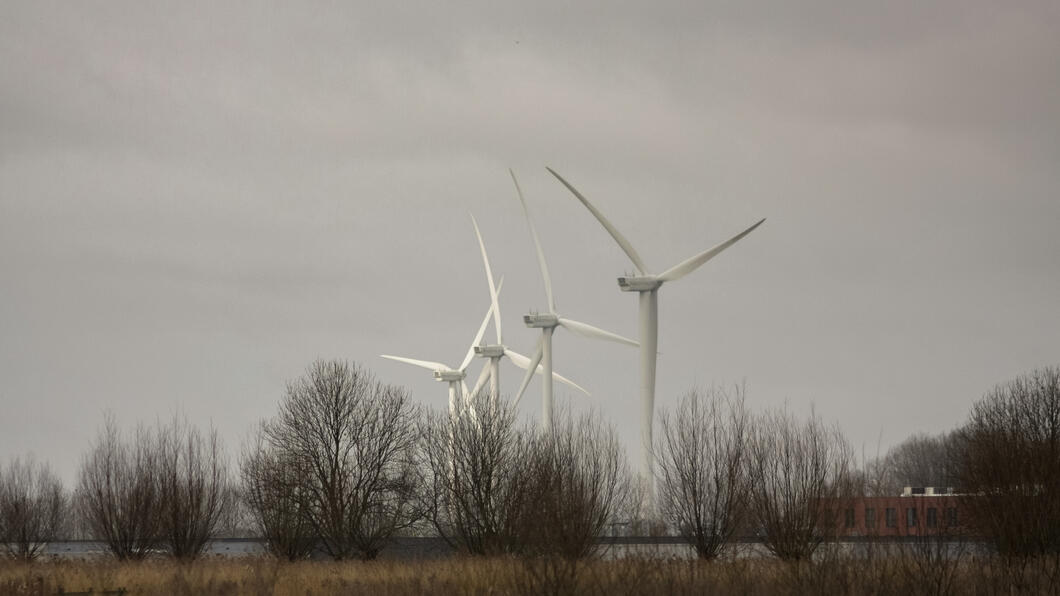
{"x": 643, "y": 283}
{"x": 541, "y": 320}
{"x": 493, "y": 351}
{"x": 449, "y": 376}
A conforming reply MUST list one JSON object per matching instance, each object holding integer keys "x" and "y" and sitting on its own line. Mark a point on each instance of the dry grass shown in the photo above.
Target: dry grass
{"x": 896, "y": 574}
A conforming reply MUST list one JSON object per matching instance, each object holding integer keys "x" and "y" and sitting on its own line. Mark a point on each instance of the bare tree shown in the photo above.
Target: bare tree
{"x": 491, "y": 487}
{"x": 276, "y": 492}
{"x": 32, "y": 508}
{"x": 472, "y": 484}
{"x": 920, "y": 460}
{"x": 118, "y": 494}
{"x": 800, "y": 474}
{"x": 355, "y": 440}
{"x": 192, "y": 483}
{"x": 237, "y": 519}
{"x": 639, "y": 515}
{"x": 1010, "y": 465}
{"x": 578, "y": 479}
{"x": 702, "y": 465}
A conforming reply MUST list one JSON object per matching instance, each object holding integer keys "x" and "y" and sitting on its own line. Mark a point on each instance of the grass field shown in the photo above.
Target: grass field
{"x": 892, "y": 574}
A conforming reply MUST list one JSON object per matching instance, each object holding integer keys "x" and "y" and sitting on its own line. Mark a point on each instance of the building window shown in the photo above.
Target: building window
{"x": 849, "y": 518}
{"x": 870, "y": 517}
{"x": 932, "y": 517}
{"x": 892, "y": 517}
{"x": 910, "y": 517}
{"x": 951, "y": 516}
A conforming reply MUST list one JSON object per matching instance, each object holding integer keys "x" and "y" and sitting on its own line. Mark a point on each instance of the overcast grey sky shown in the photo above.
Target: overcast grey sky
{"x": 199, "y": 199}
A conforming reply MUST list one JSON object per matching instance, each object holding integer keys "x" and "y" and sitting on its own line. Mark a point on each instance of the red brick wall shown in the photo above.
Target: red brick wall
{"x": 920, "y": 505}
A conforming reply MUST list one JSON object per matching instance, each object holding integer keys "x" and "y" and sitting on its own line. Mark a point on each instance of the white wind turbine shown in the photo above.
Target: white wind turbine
{"x": 547, "y": 323}
{"x": 496, "y": 351}
{"x": 647, "y": 285}
{"x": 453, "y": 376}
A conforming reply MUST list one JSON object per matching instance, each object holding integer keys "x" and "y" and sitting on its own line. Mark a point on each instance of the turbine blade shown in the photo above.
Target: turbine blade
{"x": 524, "y": 363}
{"x": 688, "y": 266}
{"x": 478, "y": 384}
{"x": 530, "y": 367}
{"x": 595, "y": 332}
{"x": 489, "y": 278}
{"x": 420, "y": 363}
{"x": 517, "y": 359}
{"x": 537, "y": 244}
{"x": 481, "y": 331}
{"x": 463, "y": 387}
{"x": 619, "y": 238}
{"x": 566, "y": 381}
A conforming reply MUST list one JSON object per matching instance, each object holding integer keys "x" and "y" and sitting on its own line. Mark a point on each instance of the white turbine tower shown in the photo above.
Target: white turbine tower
{"x": 496, "y": 351}
{"x": 547, "y": 323}
{"x": 453, "y": 376}
{"x": 647, "y": 285}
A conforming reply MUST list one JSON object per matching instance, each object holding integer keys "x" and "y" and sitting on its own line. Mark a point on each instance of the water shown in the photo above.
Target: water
{"x": 666, "y": 547}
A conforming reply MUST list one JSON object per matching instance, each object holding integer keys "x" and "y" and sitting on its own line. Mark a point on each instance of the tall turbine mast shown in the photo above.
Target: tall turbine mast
{"x": 547, "y": 322}
{"x": 496, "y": 351}
{"x": 647, "y": 286}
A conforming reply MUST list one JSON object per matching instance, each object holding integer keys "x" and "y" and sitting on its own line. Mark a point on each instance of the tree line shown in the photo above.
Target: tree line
{"x": 348, "y": 463}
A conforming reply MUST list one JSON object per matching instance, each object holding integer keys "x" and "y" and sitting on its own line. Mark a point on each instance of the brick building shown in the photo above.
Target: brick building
{"x": 918, "y": 511}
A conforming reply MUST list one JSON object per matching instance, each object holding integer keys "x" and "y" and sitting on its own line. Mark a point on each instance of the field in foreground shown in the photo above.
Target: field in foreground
{"x": 892, "y": 574}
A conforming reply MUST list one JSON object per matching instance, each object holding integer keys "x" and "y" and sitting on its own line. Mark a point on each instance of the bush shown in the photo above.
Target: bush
{"x": 117, "y": 495}
{"x": 796, "y": 467}
{"x": 161, "y": 489}
{"x": 1010, "y": 465}
{"x": 32, "y": 508}
{"x": 350, "y": 442}
{"x": 703, "y": 469}
{"x": 472, "y": 482}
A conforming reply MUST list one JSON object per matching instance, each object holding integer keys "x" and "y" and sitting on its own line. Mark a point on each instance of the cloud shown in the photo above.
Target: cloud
{"x": 196, "y": 200}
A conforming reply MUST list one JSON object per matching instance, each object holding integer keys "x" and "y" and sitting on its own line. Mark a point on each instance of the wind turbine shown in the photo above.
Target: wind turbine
{"x": 547, "y": 323}
{"x": 453, "y": 376}
{"x": 498, "y": 350}
{"x": 647, "y": 285}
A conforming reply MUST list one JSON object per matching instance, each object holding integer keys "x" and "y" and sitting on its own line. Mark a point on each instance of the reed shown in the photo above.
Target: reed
{"x": 896, "y": 573}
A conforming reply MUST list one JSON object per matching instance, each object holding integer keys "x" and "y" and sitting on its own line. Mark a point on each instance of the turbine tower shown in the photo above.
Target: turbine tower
{"x": 547, "y": 323}
{"x": 647, "y": 285}
{"x": 498, "y": 350}
{"x": 453, "y": 376}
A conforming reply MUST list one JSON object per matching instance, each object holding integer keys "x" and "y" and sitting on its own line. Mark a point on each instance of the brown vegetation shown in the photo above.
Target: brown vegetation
{"x": 349, "y": 463}
{"x": 276, "y": 499}
{"x": 349, "y": 442}
{"x": 473, "y": 494}
{"x": 192, "y": 478}
{"x": 117, "y": 496}
{"x": 920, "y": 460}
{"x": 165, "y": 488}
{"x": 32, "y": 508}
{"x": 1010, "y": 465}
{"x": 891, "y": 574}
{"x": 490, "y": 487}
{"x": 577, "y": 483}
{"x": 797, "y": 467}
{"x": 703, "y": 469}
